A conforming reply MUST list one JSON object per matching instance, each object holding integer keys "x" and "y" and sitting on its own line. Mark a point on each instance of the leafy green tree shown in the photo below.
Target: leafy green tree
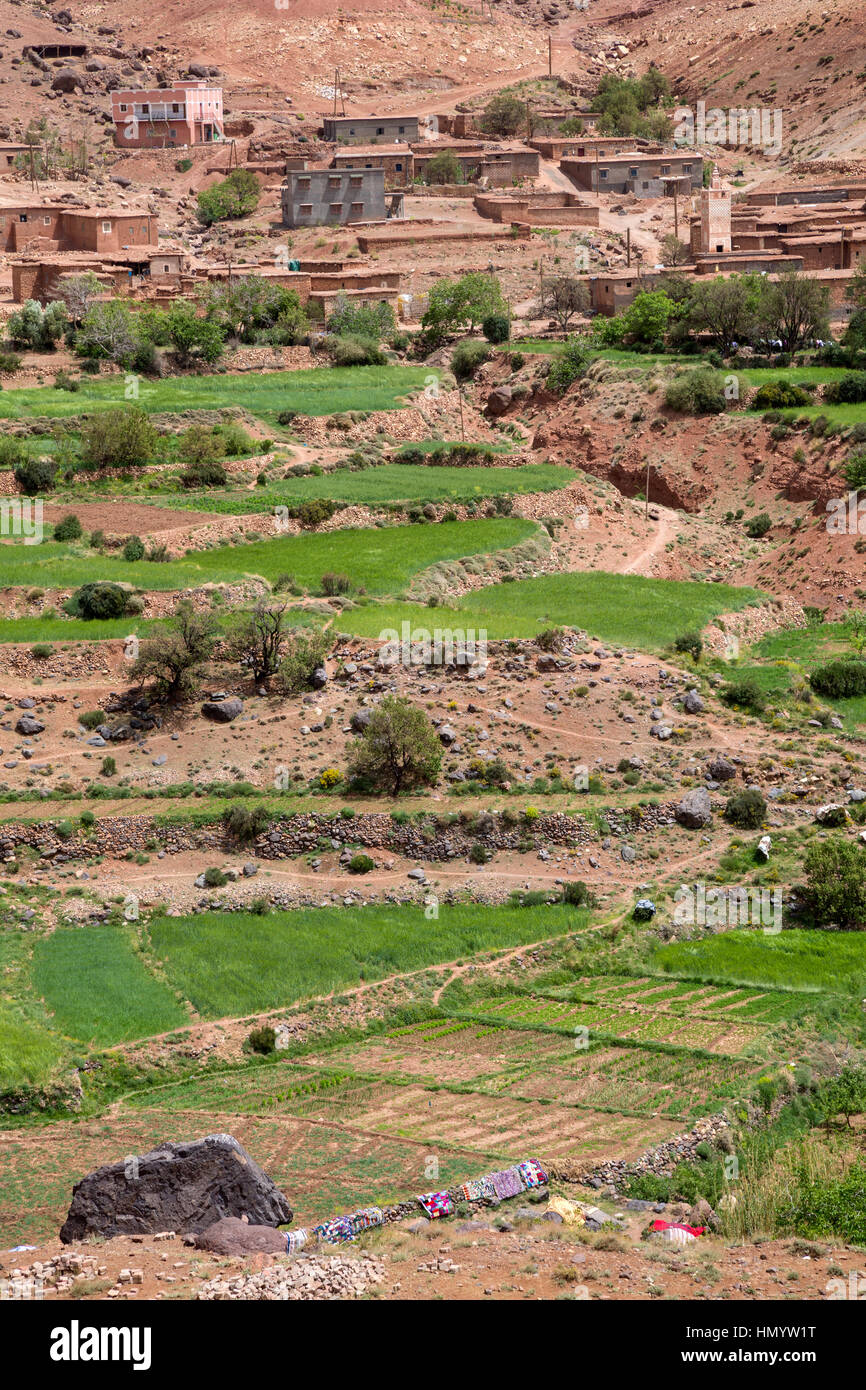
{"x": 793, "y": 308}
{"x": 193, "y": 338}
{"x": 36, "y": 327}
{"x": 835, "y": 888}
{"x": 398, "y": 750}
{"x": 444, "y": 167}
{"x": 505, "y": 114}
{"x": 845, "y": 1094}
{"x": 454, "y": 304}
{"x": 234, "y": 197}
{"x": 250, "y": 307}
{"x": 302, "y": 652}
{"x": 726, "y": 309}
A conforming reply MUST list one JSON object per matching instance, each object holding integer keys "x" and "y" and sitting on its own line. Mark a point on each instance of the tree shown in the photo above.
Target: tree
{"x": 33, "y": 475}
{"x": 504, "y": 115}
{"x": 697, "y": 392}
{"x": 444, "y": 167}
{"x": 674, "y": 251}
{"x": 725, "y": 309}
{"x": 257, "y": 639}
{"x": 121, "y": 438}
{"x": 845, "y": 1094}
{"x": 235, "y": 196}
{"x": 248, "y": 307}
{"x": 462, "y": 303}
{"x": 644, "y": 321}
{"x": 193, "y": 339}
{"x": 398, "y": 750}
{"x": 835, "y": 889}
{"x": 362, "y": 320}
{"x": 175, "y": 658}
{"x": 855, "y": 629}
{"x": 855, "y": 290}
{"x": 77, "y": 292}
{"x": 631, "y": 106}
{"x": 109, "y": 332}
{"x": 34, "y": 327}
{"x": 793, "y": 309}
{"x": 563, "y": 297}
{"x": 303, "y": 652}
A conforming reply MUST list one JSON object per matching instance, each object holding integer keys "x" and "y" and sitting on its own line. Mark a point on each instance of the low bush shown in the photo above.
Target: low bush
{"x": 746, "y": 809}
{"x": 839, "y": 680}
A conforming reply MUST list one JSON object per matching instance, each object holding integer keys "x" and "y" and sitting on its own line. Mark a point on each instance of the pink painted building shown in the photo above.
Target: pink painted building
{"x": 191, "y": 113}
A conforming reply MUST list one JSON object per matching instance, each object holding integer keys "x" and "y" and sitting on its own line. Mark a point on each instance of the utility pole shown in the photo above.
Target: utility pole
{"x": 676, "y": 215}
{"x": 549, "y": 56}
{"x": 462, "y": 428}
{"x": 646, "y": 493}
{"x": 628, "y": 245}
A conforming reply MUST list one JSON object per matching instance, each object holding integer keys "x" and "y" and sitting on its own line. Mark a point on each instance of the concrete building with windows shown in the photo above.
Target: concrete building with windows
{"x": 332, "y": 197}
{"x": 370, "y": 130}
{"x": 190, "y": 113}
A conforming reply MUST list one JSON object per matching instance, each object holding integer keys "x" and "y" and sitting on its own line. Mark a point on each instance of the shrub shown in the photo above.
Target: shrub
{"x": 849, "y": 389}
{"x": 839, "y": 680}
{"x": 335, "y": 584}
{"x": 746, "y": 693}
{"x": 123, "y": 439}
{"x": 99, "y": 599}
{"x": 41, "y": 651}
{"x": 569, "y": 366}
{"x": 496, "y": 328}
{"x": 205, "y": 473}
{"x": 10, "y": 362}
{"x": 134, "y": 549}
{"x": 34, "y": 475}
{"x": 350, "y": 350}
{"x": 835, "y": 889}
{"x": 91, "y": 718}
{"x": 746, "y": 809}
{"x": 758, "y": 526}
{"x": 361, "y": 864}
{"x": 215, "y": 878}
{"x": 698, "y": 392}
{"x": 578, "y": 894}
{"x": 68, "y": 529}
{"x": 690, "y": 642}
{"x": 108, "y": 768}
{"x": 262, "y": 1040}
{"x": 246, "y": 823}
{"x": 467, "y": 357}
{"x": 304, "y": 651}
{"x": 314, "y": 512}
{"x": 780, "y": 395}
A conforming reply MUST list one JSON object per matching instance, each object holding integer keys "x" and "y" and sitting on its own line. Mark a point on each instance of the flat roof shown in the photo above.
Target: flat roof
{"x": 359, "y": 151}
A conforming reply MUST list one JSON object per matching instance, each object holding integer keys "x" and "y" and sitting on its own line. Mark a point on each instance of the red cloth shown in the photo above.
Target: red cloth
{"x": 678, "y": 1226}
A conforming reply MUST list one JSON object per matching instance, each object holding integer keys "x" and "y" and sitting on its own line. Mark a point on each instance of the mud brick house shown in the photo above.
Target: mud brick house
{"x": 584, "y": 147}
{"x": 397, "y": 161}
{"x": 37, "y": 275}
{"x": 63, "y": 228}
{"x": 539, "y": 209}
{"x": 331, "y": 197}
{"x": 638, "y": 172}
{"x": 190, "y": 113}
{"x": 500, "y": 164}
{"x": 370, "y": 130}
{"x": 822, "y": 235}
{"x": 9, "y": 152}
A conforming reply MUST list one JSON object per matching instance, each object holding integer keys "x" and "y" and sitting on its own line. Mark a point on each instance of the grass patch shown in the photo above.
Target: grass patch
{"x": 232, "y": 963}
{"x": 801, "y": 960}
{"x": 98, "y": 989}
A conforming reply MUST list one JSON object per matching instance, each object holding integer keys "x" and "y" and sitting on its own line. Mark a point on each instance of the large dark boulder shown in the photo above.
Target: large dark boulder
{"x": 177, "y": 1187}
{"x": 223, "y": 711}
